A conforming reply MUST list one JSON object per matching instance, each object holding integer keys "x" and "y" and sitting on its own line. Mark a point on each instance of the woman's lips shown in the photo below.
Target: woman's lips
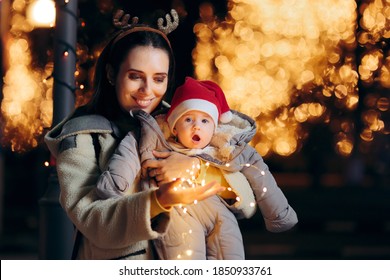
{"x": 143, "y": 103}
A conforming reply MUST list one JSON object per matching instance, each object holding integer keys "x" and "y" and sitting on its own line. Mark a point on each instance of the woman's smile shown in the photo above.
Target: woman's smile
{"x": 143, "y": 103}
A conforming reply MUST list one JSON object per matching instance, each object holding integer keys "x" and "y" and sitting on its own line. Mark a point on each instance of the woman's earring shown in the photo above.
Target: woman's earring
{"x": 110, "y": 74}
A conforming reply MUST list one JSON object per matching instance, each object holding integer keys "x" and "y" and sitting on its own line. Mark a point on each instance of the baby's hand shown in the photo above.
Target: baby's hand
{"x": 169, "y": 166}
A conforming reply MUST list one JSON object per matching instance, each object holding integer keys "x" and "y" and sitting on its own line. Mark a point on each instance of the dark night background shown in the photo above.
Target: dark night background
{"x": 343, "y": 203}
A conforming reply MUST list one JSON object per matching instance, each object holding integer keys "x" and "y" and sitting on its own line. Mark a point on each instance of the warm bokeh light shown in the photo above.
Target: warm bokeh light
{"x": 288, "y": 64}
{"x": 41, "y": 13}
{"x": 285, "y": 63}
{"x": 27, "y": 96}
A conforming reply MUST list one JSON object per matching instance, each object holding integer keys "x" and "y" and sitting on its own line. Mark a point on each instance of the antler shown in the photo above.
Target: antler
{"x": 170, "y": 25}
{"x": 121, "y": 20}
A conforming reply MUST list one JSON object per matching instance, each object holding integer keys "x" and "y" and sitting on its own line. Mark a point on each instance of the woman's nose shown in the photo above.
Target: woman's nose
{"x": 145, "y": 87}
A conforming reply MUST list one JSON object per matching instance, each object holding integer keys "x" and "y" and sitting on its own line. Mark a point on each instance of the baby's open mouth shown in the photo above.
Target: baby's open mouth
{"x": 196, "y": 138}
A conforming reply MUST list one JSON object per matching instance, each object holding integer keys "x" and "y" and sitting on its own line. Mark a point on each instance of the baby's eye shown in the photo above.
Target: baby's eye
{"x": 205, "y": 121}
{"x": 188, "y": 119}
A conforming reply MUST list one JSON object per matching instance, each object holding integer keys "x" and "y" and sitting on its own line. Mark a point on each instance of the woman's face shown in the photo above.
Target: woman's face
{"x": 142, "y": 79}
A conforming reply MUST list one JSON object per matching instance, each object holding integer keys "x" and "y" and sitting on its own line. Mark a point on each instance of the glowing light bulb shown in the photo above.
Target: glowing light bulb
{"x": 189, "y": 252}
{"x": 42, "y": 13}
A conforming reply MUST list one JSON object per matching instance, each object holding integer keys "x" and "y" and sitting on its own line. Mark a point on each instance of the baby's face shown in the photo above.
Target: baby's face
{"x": 194, "y": 129}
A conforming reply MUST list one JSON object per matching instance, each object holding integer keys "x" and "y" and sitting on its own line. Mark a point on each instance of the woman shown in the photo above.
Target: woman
{"x": 134, "y": 71}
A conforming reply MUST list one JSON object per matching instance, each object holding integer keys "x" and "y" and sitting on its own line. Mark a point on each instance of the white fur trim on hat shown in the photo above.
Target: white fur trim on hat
{"x": 193, "y": 105}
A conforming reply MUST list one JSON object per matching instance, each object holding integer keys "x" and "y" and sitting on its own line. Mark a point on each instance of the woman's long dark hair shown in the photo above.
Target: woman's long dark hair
{"x": 104, "y": 100}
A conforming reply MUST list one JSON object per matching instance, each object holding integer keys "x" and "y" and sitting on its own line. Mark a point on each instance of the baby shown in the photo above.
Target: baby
{"x": 200, "y": 123}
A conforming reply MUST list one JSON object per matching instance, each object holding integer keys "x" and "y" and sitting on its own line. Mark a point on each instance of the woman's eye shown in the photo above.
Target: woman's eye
{"x": 134, "y": 76}
{"x": 159, "y": 80}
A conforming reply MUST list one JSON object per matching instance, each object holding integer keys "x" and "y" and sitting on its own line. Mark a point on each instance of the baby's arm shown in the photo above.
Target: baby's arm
{"x": 277, "y": 213}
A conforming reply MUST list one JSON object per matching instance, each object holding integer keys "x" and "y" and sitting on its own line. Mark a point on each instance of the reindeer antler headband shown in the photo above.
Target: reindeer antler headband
{"x": 121, "y": 21}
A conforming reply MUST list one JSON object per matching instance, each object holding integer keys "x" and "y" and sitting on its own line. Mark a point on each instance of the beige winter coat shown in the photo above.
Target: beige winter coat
{"x": 119, "y": 228}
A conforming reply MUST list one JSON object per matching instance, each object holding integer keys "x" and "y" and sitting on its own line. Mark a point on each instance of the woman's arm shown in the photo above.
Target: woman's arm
{"x": 117, "y": 222}
{"x": 172, "y": 194}
{"x": 111, "y": 223}
{"x": 122, "y": 172}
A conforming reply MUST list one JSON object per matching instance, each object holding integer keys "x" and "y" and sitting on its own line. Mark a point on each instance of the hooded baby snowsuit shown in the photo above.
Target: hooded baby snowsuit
{"x": 229, "y": 151}
{"x": 207, "y": 230}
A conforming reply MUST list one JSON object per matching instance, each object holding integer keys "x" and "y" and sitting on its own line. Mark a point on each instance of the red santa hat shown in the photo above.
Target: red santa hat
{"x": 204, "y": 96}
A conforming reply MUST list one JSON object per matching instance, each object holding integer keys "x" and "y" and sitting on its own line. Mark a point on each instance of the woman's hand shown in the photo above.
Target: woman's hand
{"x": 172, "y": 194}
{"x": 170, "y": 166}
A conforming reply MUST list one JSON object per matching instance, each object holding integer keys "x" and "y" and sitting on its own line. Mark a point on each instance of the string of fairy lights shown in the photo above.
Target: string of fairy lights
{"x": 288, "y": 65}
{"x": 192, "y": 180}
